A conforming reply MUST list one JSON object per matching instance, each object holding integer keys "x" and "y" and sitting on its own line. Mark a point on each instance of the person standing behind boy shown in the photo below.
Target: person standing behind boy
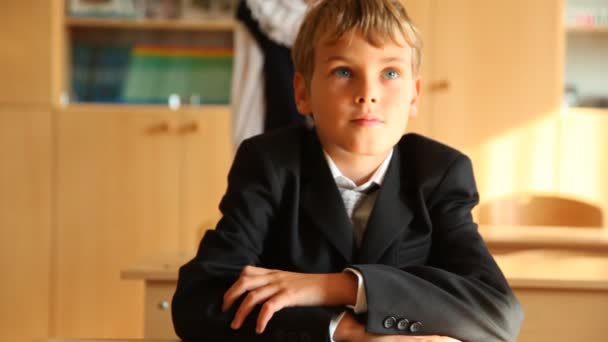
{"x": 351, "y": 230}
{"x": 262, "y": 81}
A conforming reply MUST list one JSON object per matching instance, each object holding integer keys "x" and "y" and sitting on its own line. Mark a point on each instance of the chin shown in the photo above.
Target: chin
{"x": 370, "y": 149}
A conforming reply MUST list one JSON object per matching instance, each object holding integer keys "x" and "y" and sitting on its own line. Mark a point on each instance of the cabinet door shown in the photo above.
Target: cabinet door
{"x": 420, "y": 13}
{"x": 207, "y": 156}
{"x": 117, "y": 202}
{"x": 501, "y": 66}
{"x": 25, "y": 63}
{"x": 584, "y": 157}
{"x": 25, "y": 223}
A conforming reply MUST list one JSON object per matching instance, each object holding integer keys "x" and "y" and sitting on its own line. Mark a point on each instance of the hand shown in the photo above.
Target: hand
{"x": 280, "y": 289}
{"x": 350, "y": 330}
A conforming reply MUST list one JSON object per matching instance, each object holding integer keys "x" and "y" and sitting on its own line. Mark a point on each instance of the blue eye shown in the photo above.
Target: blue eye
{"x": 342, "y": 72}
{"x": 391, "y": 74}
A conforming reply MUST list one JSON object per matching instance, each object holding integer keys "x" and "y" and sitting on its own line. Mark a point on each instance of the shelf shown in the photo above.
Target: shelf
{"x": 586, "y": 111}
{"x": 584, "y": 29}
{"x": 134, "y": 108}
{"x": 153, "y": 24}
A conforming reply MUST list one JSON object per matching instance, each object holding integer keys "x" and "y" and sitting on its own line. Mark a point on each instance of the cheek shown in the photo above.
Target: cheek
{"x": 399, "y": 87}
{"x": 399, "y": 96}
{"x": 332, "y": 94}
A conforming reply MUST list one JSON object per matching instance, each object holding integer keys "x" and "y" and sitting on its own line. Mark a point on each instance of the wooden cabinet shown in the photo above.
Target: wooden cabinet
{"x": 157, "y": 317}
{"x": 492, "y": 78}
{"x": 584, "y": 156}
{"x": 207, "y": 154}
{"x": 501, "y": 65}
{"x": 25, "y": 52}
{"x": 117, "y": 200}
{"x": 132, "y": 180}
{"x": 25, "y": 222}
{"x": 487, "y": 67}
{"x": 86, "y": 190}
{"x": 128, "y": 185}
{"x": 420, "y": 12}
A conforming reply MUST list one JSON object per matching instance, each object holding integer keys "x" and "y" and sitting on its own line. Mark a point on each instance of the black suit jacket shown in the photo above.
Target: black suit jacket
{"x": 421, "y": 258}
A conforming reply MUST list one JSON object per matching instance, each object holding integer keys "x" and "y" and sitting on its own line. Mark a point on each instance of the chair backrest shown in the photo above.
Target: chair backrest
{"x": 540, "y": 210}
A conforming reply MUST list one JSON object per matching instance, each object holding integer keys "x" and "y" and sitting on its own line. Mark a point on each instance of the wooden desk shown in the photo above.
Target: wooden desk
{"x": 160, "y": 278}
{"x": 506, "y": 239}
{"x": 564, "y": 292}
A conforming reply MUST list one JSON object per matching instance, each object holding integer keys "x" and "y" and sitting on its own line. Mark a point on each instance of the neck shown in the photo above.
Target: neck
{"x": 358, "y": 168}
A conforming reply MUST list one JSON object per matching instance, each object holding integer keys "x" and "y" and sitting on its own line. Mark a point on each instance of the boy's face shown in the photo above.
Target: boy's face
{"x": 360, "y": 96}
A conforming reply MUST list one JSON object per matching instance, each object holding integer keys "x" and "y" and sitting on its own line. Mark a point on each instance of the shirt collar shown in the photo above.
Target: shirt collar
{"x": 344, "y": 182}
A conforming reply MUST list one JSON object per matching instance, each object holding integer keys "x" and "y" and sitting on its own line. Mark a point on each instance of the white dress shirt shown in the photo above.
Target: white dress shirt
{"x": 345, "y": 184}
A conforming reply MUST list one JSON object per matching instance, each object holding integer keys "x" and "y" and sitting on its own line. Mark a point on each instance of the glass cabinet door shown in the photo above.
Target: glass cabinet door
{"x": 148, "y": 51}
{"x": 586, "y": 55}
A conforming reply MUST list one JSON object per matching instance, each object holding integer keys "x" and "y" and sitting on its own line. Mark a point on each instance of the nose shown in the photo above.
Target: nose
{"x": 367, "y": 92}
{"x": 364, "y": 99}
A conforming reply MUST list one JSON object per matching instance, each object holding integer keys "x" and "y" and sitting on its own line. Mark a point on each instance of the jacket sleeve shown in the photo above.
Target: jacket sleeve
{"x": 248, "y": 208}
{"x": 460, "y": 292}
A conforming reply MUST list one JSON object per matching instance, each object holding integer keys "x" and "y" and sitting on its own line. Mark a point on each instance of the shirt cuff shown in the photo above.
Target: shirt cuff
{"x": 333, "y": 325}
{"x": 361, "y": 303}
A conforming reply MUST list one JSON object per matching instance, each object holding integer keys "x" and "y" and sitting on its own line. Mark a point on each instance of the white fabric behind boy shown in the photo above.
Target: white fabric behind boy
{"x": 280, "y": 20}
{"x": 247, "y": 91}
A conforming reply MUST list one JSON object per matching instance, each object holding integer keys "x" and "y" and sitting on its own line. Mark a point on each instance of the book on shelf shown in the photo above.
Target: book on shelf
{"x": 103, "y": 8}
{"x": 98, "y": 72}
{"x": 150, "y": 74}
{"x": 157, "y": 72}
{"x": 153, "y": 9}
{"x": 208, "y": 9}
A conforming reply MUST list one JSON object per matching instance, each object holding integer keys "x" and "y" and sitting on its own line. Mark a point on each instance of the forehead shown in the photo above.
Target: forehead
{"x": 354, "y": 42}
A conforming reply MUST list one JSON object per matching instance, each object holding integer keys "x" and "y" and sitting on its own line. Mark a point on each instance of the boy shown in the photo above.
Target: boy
{"x": 349, "y": 231}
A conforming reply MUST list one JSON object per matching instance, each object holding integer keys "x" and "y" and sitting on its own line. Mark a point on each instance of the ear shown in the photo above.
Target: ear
{"x": 416, "y": 89}
{"x": 301, "y": 95}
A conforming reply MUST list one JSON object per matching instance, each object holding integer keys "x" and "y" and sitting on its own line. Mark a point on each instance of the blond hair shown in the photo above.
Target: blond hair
{"x": 376, "y": 20}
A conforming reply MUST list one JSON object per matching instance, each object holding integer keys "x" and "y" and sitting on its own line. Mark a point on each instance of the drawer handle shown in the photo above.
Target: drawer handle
{"x": 163, "y": 305}
{"x": 159, "y": 128}
{"x": 439, "y": 86}
{"x": 190, "y": 127}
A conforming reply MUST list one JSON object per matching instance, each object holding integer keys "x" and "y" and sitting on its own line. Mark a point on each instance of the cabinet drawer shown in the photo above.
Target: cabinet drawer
{"x": 158, "y": 324}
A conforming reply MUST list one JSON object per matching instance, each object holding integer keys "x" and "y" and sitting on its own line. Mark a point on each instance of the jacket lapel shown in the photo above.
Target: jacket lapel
{"x": 391, "y": 214}
{"x": 321, "y": 200}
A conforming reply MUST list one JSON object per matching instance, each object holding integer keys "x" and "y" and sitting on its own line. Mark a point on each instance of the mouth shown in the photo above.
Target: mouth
{"x": 367, "y": 120}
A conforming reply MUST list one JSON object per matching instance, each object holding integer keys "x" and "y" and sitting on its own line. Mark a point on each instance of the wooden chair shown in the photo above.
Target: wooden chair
{"x": 539, "y": 210}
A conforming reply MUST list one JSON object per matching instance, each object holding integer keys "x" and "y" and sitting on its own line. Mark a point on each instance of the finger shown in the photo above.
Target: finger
{"x": 253, "y": 270}
{"x": 271, "y": 306}
{"x": 242, "y": 285}
{"x": 254, "y": 298}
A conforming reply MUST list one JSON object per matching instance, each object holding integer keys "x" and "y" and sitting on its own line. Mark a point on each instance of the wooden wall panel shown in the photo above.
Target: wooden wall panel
{"x": 25, "y": 222}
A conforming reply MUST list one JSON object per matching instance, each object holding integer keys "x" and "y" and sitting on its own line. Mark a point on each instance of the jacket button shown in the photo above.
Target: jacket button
{"x": 402, "y": 324}
{"x": 415, "y": 327}
{"x": 389, "y": 322}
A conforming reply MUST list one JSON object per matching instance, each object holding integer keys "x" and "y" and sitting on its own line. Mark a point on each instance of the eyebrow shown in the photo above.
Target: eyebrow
{"x": 394, "y": 59}
{"x": 336, "y": 58}
{"x": 383, "y": 60}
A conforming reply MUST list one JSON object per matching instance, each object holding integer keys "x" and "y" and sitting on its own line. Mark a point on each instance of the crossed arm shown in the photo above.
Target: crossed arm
{"x": 275, "y": 290}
